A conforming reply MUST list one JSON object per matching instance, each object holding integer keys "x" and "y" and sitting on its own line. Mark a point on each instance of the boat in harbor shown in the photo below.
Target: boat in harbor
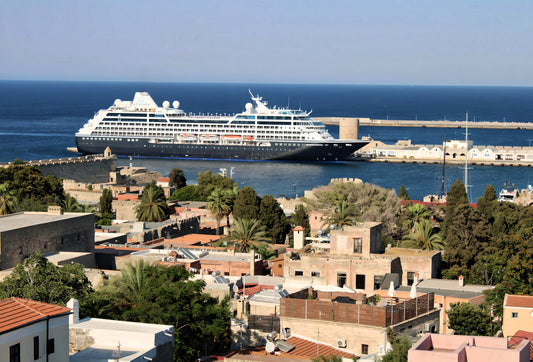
{"x": 142, "y": 128}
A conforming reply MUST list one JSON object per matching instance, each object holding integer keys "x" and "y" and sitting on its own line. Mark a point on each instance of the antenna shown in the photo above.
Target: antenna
{"x": 443, "y": 169}
{"x": 466, "y": 158}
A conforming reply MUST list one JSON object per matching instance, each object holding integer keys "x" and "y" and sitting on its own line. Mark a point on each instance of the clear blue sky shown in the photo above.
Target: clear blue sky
{"x": 452, "y": 42}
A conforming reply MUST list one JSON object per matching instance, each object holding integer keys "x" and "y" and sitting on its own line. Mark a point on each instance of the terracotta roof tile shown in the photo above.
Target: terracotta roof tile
{"x": 306, "y": 348}
{"x": 521, "y": 301}
{"x": 519, "y": 336}
{"x": 17, "y": 312}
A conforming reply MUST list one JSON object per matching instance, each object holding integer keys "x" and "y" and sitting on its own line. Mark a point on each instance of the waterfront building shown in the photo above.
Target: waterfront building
{"x": 456, "y": 151}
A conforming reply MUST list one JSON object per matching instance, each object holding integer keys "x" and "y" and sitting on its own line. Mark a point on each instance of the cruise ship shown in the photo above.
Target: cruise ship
{"x": 144, "y": 129}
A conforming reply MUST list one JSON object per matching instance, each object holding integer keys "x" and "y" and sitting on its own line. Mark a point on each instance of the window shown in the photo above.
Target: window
{"x": 364, "y": 349}
{"x": 341, "y": 279}
{"x": 51, "y": 346}
{"x": 410, "y": 278}
{"x": 14, "y": 353}
{"x": 514, "y": 315}
{"x": 377, "y": 281}
{"x": 359, "y": 281}
{"x": 35, "y": 347}
{"x": 315, "y": 274}
{"x": 358, "y": 245}
{"x": 298, "y": 273}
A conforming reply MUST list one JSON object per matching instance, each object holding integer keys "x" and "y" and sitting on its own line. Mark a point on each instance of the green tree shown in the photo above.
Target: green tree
{"x": 106, "y": 201}
{"x": 470, "y": 320}
{"x": 467, "y": 240}
{"x": 177, "y": 178}
{"x": 201, "y": 323}
{"x": 18, "y": 161}
{"x": 371, "y": 203}
{"x": 38, "y": 279}
{"x": 456, "y": 196}
{"x": 300, "y": 218}
{"x": 129, "y": 288}
{"x": 187, "y": 193}
{"x": 343, "y": 215}
{"x": 70, "y": 204}
{"x": 400, "y": 350}
{"x": 423, "y": 237}
{"x": 7, "y": 199}
{"x": 208, "y": 181}
{"x": 246, "y": 234}
{"x": 153, "y": 206}
{"x": 403, "y": 193}
{"x": 219, "y": 205}
{"x": 246, "y": 204}
{"x": 273, "y": 218}
{"x": 485, "y": 204}
{"x": 415, "y": 214}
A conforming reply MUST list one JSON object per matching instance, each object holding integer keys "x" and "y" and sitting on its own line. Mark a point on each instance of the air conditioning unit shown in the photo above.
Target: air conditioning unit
{"x": 428, "y": 327}
{"x": 341, "y": 343}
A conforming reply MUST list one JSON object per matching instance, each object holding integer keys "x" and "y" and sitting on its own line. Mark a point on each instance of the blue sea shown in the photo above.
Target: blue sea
{"x": 38, "y": 120}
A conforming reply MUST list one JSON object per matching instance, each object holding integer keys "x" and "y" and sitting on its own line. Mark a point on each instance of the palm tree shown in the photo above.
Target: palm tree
{"x": 7, "y": 199}
{"x": 414, "y": 214}
{"x": 153, "y": 206}
{"x": 344, "y": 214}
{"x": 247, "y": 233}
{"x": 132, "y": 282}
{"x": 219, "y": 205}
{"x": 423, "y": 237}
{"x": 70, "y": 204}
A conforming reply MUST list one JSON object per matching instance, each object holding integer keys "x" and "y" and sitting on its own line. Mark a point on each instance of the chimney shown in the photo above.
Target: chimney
{"x": 461, "y": 281}
{"x": 252, "y": 261}
{"x": 299, "y": 237}
{"x": 75, "y": 316}
{"x": 55, "y": 210}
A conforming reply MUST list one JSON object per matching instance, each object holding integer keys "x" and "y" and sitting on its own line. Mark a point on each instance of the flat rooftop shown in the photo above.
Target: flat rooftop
{"x": 27, "y": 219}
{"x": 109, "y": 324}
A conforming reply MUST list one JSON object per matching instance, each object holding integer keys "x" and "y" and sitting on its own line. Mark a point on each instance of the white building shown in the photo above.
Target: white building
{"x": 99, "y": 340}
{"x": 33, "y": 331}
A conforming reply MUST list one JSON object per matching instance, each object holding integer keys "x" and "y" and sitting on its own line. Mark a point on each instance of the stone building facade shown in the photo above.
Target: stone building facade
{"x": 22, "y": 234}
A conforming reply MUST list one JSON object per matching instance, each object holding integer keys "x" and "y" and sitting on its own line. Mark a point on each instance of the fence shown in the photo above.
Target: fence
{"x": 357, "y": 313}
{"x": 264, "y": 323}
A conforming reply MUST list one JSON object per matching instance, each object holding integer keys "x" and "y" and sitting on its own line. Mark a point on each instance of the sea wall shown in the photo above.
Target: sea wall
{"x": 88, "y": 169}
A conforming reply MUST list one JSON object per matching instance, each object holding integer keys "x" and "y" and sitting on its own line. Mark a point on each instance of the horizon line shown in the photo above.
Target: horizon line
{"x": 269, "y": 83}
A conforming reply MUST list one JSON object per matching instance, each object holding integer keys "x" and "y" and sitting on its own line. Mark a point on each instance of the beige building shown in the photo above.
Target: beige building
{"x": 355, "y": 260}
{"x": 517, "y": 314}
{"x": 455, "y": 150}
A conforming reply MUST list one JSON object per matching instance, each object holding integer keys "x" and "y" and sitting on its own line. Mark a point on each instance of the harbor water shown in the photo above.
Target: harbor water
{"x": 38, "y": 120}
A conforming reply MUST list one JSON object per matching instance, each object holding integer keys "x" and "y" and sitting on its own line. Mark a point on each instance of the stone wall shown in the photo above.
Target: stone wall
{"x": 91, "y": 170}
{"x": 74, "y": 233}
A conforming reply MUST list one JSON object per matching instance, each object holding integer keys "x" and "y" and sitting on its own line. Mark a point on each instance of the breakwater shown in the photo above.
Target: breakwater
{"x": 429, "y": 124}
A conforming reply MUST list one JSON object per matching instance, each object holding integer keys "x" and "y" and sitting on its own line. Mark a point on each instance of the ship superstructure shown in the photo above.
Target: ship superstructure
{"x": 142, "y": 128}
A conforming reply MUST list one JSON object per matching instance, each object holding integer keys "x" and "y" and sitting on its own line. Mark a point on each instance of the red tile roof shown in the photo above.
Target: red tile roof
{"x": 18, "y": 312}
{"x": 164, "y": 179}
{"x": 306, "y": 348}
{"x": 303, "y": 349}
{"x": 521, "y": 301}
{"x": 519, "y": 336}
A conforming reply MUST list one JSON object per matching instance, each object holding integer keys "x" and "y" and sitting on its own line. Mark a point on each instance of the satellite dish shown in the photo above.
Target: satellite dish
{"x": 176, "y": 104}
{"x": 248, "y": 107}
{"x": 270, "y": 347}
{"x": 117, "y": 102}
{"x": 166, "y": 104}
{"x": 235, "y": 288}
